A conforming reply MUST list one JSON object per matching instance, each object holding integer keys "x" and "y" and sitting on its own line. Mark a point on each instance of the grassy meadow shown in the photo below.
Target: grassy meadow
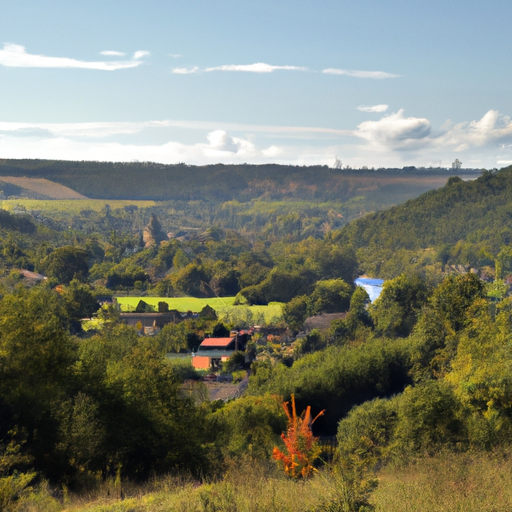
{"x": 224, "y": 306}
{"x": 71, "y": 206}
{"x": 180, "y": 303}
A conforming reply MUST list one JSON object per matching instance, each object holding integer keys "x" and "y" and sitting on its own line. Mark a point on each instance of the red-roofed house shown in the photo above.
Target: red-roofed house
{"x": 218, "y": 343}
{"x": 213, "y": 352}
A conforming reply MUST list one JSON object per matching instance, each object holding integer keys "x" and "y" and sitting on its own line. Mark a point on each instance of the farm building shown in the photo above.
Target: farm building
{"x": 214, "y": 351}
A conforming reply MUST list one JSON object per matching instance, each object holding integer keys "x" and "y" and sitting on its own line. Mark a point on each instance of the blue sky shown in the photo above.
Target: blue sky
{"x": 376, "y": 83}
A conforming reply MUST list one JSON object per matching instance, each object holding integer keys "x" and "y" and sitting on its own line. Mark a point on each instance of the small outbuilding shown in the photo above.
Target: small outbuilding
{"x": 213, "y": 352}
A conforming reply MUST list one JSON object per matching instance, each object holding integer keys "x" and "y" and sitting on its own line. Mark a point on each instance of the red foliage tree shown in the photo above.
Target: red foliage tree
{"x": 301, "y": 446}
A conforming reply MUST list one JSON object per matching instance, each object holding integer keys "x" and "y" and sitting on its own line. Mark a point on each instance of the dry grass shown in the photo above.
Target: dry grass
{"x": 447, "y": 483}
{"x": 45, "y": 187}
{"x": 244, "y": 488}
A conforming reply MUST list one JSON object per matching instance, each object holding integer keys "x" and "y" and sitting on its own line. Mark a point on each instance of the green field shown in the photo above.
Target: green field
{"x": 224, "y": 307}
{"x": 72, "y": 206}
{"x": 180, "y": 303}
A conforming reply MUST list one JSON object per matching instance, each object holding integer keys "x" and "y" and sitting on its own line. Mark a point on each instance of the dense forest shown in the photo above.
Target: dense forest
{"x": 417, "y": 382}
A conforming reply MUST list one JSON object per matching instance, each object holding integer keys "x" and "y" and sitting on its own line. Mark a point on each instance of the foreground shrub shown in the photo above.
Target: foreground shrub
{"x": 301, "y": 446}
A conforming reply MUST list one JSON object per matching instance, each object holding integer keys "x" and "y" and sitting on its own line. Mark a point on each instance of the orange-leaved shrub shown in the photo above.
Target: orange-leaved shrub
{"x": 301, "y": 446}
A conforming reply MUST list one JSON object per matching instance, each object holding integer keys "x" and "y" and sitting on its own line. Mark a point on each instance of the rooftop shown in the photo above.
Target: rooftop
{"x": 216, "y": 342}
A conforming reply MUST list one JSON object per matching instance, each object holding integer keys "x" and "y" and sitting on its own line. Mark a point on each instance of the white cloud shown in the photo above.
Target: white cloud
{"x": 373, "y": 108}
{"x": 220, "y": 147}
{"x": 186, "y": 71}
{"x": 221, "y": 141}
{"x": 360, "y": 74}
{"x": 140, "y": 54}
{"x": 273, "y": 151}
{"x": 258, "y": 67}
{"x": 112, "y": 53}
{"x": 412, "y": 139}
{"x": 175, "y": 55}
{"x": 394, "y": 130}
{"x": 494, "y": 129}
{"x": 13, "y": 55}
{"x": 262, "y": 67}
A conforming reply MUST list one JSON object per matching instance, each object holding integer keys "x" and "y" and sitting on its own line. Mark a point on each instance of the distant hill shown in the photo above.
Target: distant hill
{"x": 107, "y": 180}
{"x": 477, "y": 213}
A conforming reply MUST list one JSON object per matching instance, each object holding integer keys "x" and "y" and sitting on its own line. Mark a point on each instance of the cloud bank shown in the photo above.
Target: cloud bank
{"x": 220, "y": 147}
{"x": 393, "y": 140}
{"x": 14, "y": 55}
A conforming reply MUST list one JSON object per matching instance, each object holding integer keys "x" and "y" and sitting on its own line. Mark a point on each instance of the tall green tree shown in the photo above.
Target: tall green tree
{"x": 150, "y": 425}
{"x": 79, "y": 303}
{"x": 396, "y": 310}
{"x": 36, "y": 370}
{"x": 67, "y": 263}
{"x": 436, "y": 335}
{"x": 295, "y": 312}
{"x": 330, "y": 296}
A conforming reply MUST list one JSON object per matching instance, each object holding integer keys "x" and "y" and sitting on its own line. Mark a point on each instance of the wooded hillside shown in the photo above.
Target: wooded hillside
{"x": 464, "y": 222}
{"x": 145, "y": 180}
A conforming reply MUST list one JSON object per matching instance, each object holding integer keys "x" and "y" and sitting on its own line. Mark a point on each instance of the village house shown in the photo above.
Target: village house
{"x": 212, "y": 352}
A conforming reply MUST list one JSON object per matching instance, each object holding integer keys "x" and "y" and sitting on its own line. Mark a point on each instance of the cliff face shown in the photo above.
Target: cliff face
{"x": 153, "y": 234}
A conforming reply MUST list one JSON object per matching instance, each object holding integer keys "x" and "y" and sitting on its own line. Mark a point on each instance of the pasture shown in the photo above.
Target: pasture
{"x": 70, "y": 206}
{"x": 180, "y": 303}
{"x": 226, "y": 311}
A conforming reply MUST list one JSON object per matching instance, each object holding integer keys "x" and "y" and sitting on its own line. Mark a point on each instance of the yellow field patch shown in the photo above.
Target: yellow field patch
{"x": 72, "y": 206}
